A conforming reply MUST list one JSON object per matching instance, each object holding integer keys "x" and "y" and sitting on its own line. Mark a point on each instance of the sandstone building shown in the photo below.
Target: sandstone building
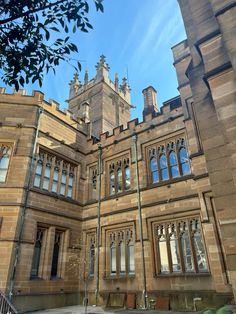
{"x": 131, "y": 213}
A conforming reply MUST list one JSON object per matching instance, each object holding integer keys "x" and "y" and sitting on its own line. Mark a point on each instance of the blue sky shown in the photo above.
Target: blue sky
{"x": 133, "y": 34}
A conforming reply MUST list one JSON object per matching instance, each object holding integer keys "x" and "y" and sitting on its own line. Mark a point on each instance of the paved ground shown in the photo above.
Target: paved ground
{"x": 78, "y": 309}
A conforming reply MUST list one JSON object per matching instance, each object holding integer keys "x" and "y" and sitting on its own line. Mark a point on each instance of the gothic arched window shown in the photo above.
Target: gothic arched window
{"x": 5, "y": 153}
{"x": 183, "y": 155}
{"x": 127, "y": 178}
{"x": 122, "y": 257}
{"x": 55, "y": 256}
{"x": 164, "y": 167}
{"x": 37, "y": 253}
{"x": 131, "y": 266}
{"x": 119, "y": 180}
{"x": 112, "y": 182}
{"x": 113, "y": 258}
{"x": 154, "y": 170}
{"x": 173, "y": 164}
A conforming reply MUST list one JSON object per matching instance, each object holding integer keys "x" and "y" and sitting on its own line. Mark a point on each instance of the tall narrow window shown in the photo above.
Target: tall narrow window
{"x": 37, "y": 253}
{"x": 127, "y": 178}
{"x": 154, "y": 170}
{"x": 173, "y": 165}
{"x": 174, "y": 249}
{"x": 122, "y": 257}
{"x": 70, "y": 185}
{"x": 38, "y": 174}
{"x": 55, "y": 180}
{"x": 164, "y": 168}
{"x": 163, "y": 253}
{"x": 113, "y": 258}
{"x": 112, "y": 183}
{"x": 63, "y": 183}
{"x": 186, "y": 247}
{"x": 198, "y": 246}
{"x": 184, "y": 161}
{"x": 5, "y": 153}
{"x": 46, "y": 178}
{"x": 92, "y": 260}
{"x": 131, "y": 257}
{"x": 119, "y": 181}
{"x": 55, "y": 257}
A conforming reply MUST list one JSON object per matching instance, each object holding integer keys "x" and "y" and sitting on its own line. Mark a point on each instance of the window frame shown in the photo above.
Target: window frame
{"x": 10, "y": 147}
{"x": 55, "y": 162}
{"x": 179, "y": 231}
{"x": 159, "y": 149}
{"x": 115, "y": 239}
{"x": 117, "y": 166}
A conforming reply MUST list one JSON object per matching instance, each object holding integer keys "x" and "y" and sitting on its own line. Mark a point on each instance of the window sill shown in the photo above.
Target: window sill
{"x": 171, "y": 181}
{"x": 205, "y": 274}
{"x": 56, "y": 278}
{"x": 119, "y": 277}
{"x": 57, "y": 196}
{"x": 36, "y": 278}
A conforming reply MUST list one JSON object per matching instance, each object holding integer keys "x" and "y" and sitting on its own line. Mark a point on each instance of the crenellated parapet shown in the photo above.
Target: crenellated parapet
{"x": 170, "y": 111}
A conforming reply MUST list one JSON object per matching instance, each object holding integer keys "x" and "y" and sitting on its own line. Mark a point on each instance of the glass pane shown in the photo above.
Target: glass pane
{"x": 36, "y": 260}
{"x": 112, "y": 183}
{"x": 163, "y": 162}
{"x": 200, "y": 252}
{"x": 54, "y": 186}
{"x": 122, "y": 257}
{"x": 185, "y": 168}
{"x": 69, "y": 191}
{"x": 39, "y": 169}
{"x": 55, "y": 175}
{"x": 45, "y": 183}
{"x": 113, "y": 259}
{"x": 37, "y": 181}
{"x": 47, "y": 172}
{"x": 153, "y": 164}
{"x": 62, "y": 189}
{"x": 184, "y": 161}
{"x": 119, "y": 179}
{"x": 175, "y": 171}
{"x": 163, "y": 256}
{"x": 4, "y": 162}
{"x": 127, "y": 178}
{"x": 131, "y": 257}
{"x": 155, "y": 177}
{"x": 70, "y": 181}
{"x": 187, "y": 254}
{"x": 165, "y": 174}
{"x": 175, "y": 255}
{"x": 63, "y": 178}
{"x": 3, "y": 174}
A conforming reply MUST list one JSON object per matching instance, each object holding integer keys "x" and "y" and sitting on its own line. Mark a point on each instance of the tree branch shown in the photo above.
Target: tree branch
{"x": 49, "y": 6}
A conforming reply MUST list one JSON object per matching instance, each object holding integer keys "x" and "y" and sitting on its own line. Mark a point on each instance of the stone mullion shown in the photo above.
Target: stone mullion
{"x": 123, "y": 176}
{"x": 193, "y": 251}
{"x": 178, "y": 158}
{"x": 167, "y": 153}
{"x": 43, "y": 170}
{"x": 168, "y": 249}
{"x": 51, "y": 174}
{"x": 67, "y": 179}
{"x": 178, "y": 236}
{"x": 59, "y": 177}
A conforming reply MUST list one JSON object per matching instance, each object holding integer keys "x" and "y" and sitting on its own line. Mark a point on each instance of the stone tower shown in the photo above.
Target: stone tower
{"x": 100, "y": 101}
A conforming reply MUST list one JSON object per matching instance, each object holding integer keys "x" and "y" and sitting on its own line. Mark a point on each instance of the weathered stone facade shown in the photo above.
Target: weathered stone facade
{"x": 70, "y": 195}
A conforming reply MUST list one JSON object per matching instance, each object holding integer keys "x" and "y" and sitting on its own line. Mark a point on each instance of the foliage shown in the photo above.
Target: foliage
{"x": 35, "y": 36}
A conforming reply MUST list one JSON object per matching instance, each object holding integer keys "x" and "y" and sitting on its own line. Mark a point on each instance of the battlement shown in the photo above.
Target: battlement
{"x": 20, "y": 97}
{"x": 171, "y": 110}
